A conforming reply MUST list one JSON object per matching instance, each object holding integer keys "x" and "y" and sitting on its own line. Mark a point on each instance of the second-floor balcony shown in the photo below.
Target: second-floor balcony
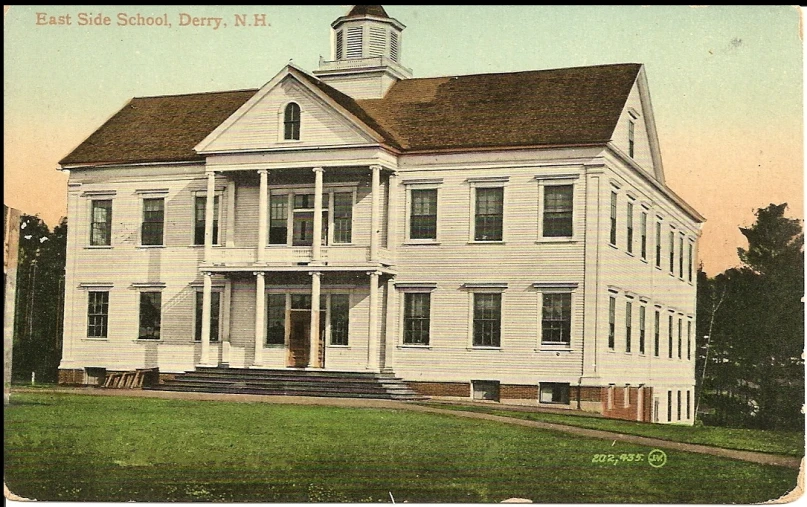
{"x": 274, "y": 255}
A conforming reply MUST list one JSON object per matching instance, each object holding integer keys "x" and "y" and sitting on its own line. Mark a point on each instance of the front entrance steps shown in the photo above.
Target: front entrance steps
{"x": 280, "y": 382}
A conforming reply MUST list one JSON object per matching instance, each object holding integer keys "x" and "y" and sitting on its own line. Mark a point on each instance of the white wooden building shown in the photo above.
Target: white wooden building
{"x": 505, "y": 236}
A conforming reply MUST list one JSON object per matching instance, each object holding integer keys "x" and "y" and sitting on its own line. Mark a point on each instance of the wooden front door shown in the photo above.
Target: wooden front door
{"x": 299, "y": 338}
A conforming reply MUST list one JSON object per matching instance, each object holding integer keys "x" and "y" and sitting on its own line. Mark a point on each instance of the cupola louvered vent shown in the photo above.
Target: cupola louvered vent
{"x": 354, "y": 42}
{"x": 339, "y": 45}
{"x": 393, "y": 45}
{"x": 378, "y": 40}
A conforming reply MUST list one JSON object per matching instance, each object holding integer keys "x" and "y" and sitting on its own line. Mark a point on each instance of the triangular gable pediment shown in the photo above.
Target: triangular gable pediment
{"x": 639, "y": 110}
{"x": 258, "y": 124}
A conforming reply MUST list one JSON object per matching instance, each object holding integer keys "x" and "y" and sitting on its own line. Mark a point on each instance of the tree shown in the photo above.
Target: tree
{"x": 755, "y": 373}
{"x": 40, "y": 299}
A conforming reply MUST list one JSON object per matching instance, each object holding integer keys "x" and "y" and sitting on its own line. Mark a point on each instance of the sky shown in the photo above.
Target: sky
{"x": 726, "y": 82}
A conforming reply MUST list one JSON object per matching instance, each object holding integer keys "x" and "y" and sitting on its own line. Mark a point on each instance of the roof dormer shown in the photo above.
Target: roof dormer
{"x": 365, "y": 53}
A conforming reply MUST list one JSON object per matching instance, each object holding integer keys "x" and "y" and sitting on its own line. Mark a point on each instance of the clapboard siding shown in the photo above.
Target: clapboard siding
{"x": 246, "y": 215}
{"x": 641, "y": 154}
{"x": 520, "y": 262}
{"x": 523, "y": 259}
{"x": 261, "y": 126}
{"x": 170, "y": 269}
{"x": 630, "y": 276}
{"x": 364, "y": 88}
{"x": 354, "y": 356}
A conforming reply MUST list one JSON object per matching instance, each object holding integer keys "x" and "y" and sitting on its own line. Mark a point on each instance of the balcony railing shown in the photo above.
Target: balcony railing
{"x": 295, "y": 255}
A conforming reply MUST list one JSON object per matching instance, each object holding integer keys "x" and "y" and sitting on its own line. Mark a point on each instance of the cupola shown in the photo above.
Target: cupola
{"x": 365, "y": 53}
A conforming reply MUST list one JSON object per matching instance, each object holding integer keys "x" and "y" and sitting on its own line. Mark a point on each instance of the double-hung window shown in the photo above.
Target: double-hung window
{"x": 339, "y": 318}
{"x": 342, "y": 217}
{"x": 296, "y": 210}
{"x": 215, "y": 313}
{"x": 153, "y": 221}
{"x": 642, "y": 311}
{"x": 656, "y": 333}
{"x": 612, "y": 235}
{"x": 670, "y": 338}
{"x": 658, "y": 245}
{"x": 629, "y": 228}
{"x": 556, "y": 318}
{"x": 489, "y": 214}
{"x": 690, "y": 259}
{"x": 487, "y": 319}
{"x": 97, "y": 314}
{"x": 278, "y": 219}
{"x": 628, "y": 325}
{"x": 150, "y": 315}
{"x": 681, "y": 257}
{"x": 423, "y": 214}
{"x": 631, "y": 139}
{"x": 275, "y": 319}
{"x": 200, "y": 208}
{"x": 291, "y": 122}
{"x": 672, "y": 253}
{"x": 557, "y": 215}
{"x": 101, "y": 227}
{"x": 611, "y": 322}
{"x": 417, "y": 318}
{"x": 680, "y": 338}
{"x": 643, "y": 232}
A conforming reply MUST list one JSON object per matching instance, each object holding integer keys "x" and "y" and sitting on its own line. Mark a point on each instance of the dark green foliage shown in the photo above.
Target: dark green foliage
{"x": 40, "y": 300}
{"x": 754, "y": 370}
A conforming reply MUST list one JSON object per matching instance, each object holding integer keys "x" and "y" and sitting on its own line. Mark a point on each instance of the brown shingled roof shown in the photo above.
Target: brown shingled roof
{"x": 551, "y": 107}
{"x": 158, "y": 129}
{"x": 538, "y": 108}
{"x": 367, "y": 10}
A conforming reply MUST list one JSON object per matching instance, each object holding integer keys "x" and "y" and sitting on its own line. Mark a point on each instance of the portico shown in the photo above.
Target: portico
{"x": 322, "y": 241}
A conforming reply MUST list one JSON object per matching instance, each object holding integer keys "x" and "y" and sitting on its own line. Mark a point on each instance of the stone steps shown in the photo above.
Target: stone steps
{"x": 291, "y": 382}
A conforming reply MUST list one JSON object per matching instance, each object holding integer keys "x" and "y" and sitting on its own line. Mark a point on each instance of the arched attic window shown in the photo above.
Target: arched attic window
{"x": 291, "y": 122}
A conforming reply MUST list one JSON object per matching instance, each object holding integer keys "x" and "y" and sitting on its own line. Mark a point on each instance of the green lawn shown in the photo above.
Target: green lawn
{"x": 67, "y": 447}
{"x": 787, "y": 443}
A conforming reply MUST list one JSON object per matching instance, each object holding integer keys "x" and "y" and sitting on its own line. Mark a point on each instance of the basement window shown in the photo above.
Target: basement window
{"x": 554, "y": 392}
{"x": 485, "y": 390}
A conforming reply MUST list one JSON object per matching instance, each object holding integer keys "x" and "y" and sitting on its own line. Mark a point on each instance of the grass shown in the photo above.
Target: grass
{"x": 786, "y": 443}
{"x": 68, "y": 447}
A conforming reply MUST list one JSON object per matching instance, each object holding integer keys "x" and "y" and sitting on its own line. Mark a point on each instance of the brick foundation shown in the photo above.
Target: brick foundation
{"x": 71, "y": 377}
{"x": 518, "y": 392}
{"x": 628, "y": 409}
{"x": 459, "y": 389}
{"x": 587, "y": 393}
{"x": 79, "y": 376}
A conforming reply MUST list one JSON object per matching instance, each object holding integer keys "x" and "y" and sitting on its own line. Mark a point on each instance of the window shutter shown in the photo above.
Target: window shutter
{"x": 354, "y": 42}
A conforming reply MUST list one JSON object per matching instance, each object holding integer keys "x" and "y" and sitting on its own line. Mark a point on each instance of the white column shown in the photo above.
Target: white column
{"x": 226, "y": 299}
{"x": 209, "y": 201}
{"x": 230, "y": 231}
{"x": 372, "y": 331}
{"x": 206, "y": 300}
{"x": 375, "y": 218}
{"x": 260, "y": 316}
{"x": 391, "y": 334}
{"x": 313, "y": 358}
{"x": 392, "y": 214}
{"x": 316, "y": 241}
{"x": 263, "y": 202}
